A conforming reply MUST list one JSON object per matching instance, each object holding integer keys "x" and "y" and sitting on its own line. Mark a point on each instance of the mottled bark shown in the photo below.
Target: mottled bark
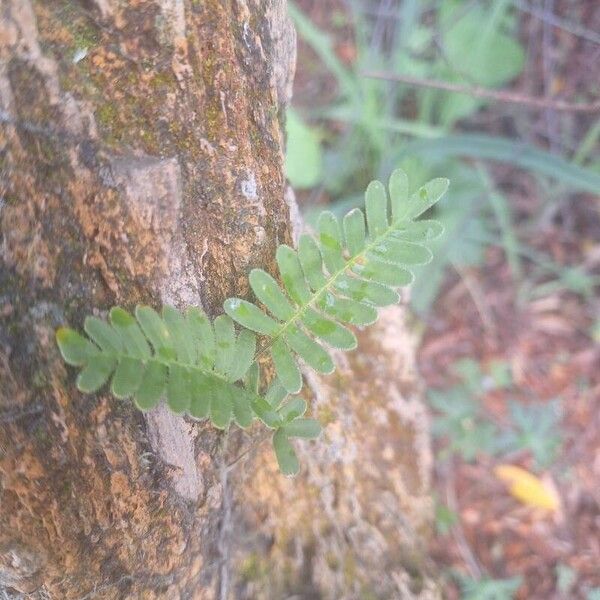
{"x": 147, "y": 170}
{"x": 141, "y": 161}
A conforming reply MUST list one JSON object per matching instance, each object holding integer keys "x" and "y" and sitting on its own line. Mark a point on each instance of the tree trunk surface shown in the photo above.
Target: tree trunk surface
{"x": 141, "y": 153}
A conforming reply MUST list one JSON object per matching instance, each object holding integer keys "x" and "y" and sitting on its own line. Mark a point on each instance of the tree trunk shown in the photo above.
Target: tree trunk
{"x": 141, "y": 161}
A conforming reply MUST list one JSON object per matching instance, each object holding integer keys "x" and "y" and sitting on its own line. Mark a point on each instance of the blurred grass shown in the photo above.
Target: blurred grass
{"x": 386, "y": 124}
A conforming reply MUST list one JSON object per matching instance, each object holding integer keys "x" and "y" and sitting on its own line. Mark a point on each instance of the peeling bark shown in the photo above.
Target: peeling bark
{"x": 141, "y": 153}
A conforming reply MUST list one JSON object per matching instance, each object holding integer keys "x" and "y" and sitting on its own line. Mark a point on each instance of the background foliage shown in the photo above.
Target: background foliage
{"x": 509, "y": 304}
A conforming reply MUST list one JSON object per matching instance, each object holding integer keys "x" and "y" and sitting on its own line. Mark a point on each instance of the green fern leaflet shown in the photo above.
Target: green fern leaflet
{"x": 209, "y": 370}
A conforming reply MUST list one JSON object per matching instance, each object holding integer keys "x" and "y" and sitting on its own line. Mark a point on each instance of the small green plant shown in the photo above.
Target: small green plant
{"x": 463, "y": 422}
{"x": 208, "y": 370}
{"x": 487, "y": 588}
{"x": 535, "y": 427}
{"x": 303, "y": 159}
{"x": 460, "y": 422}
{"x": 566, "y": 577}
{"x": 445, "y": 518}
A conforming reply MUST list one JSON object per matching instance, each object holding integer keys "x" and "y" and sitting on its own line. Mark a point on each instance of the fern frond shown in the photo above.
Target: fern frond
{"x": 340, "y": 278}
{"x": 191, "y": 361}
{"x": 206, "y": 369}
{"x": 180, "y": 356}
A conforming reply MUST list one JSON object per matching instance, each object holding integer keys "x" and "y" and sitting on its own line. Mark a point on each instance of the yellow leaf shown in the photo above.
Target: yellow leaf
{"x": 527, "y": 488}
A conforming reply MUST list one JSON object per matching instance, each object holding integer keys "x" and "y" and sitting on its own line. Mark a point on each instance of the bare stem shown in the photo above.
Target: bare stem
{"x": 487, "y": 93}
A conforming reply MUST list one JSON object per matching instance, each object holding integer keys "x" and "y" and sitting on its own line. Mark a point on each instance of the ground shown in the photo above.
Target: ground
{"x": 548, "y": 347}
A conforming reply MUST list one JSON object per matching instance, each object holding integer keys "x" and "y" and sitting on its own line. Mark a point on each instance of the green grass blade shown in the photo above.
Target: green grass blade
{"x": 321, "y": 43}
{"x": 521, "y": 155}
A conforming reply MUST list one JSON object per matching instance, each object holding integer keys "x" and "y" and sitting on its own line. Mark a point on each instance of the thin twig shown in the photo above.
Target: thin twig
{"x": 475, "y": 569}
{"x": 252, "y": 446}
{"x": 548, "y": 62}
{"x": 487, "y": 93}
{"x": 556, "y": 21}
{"x": 474, "y": 290}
